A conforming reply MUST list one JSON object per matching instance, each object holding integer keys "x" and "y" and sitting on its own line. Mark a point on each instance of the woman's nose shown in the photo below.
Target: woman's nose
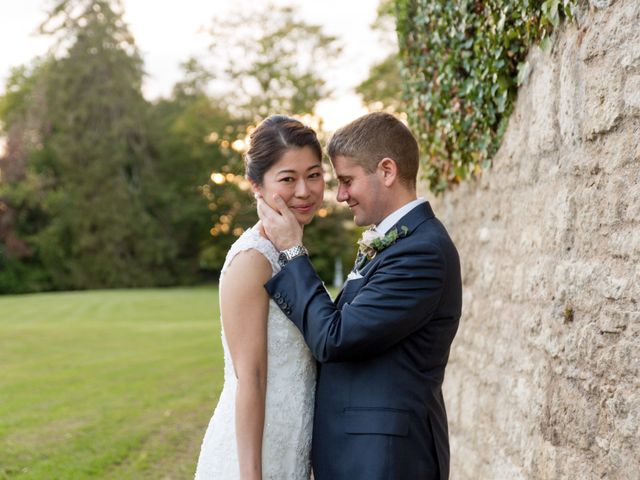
{"x": 302, "y": 189}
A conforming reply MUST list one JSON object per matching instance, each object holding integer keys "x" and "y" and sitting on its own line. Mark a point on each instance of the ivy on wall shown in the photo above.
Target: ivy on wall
{"x": 462, "y": 62}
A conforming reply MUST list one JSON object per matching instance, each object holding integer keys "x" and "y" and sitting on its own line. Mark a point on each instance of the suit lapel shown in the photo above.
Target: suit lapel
{"x": 411, "y": 220}
{"x": 415, "y": 217}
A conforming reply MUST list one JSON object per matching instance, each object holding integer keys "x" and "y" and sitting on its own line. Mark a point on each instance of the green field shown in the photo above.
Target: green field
{"x": 116, "y": 384}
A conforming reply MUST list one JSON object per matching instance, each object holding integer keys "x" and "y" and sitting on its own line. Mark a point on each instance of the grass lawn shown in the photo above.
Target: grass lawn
{"x": 115, "y": 384}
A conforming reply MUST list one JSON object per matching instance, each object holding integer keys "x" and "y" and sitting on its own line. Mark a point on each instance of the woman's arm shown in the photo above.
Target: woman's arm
{"x": 244, "y": 306}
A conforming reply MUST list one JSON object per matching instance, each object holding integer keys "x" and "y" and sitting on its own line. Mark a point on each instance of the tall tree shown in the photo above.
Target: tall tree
{"x": 192, "y": 134}
{"x": 103, "y": 230}
{"x": 273, "y": 61}
{"x": 21, "y": 186}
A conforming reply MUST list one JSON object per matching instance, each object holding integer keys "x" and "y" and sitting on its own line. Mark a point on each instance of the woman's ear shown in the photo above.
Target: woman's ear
{"x": 388, "y": 171}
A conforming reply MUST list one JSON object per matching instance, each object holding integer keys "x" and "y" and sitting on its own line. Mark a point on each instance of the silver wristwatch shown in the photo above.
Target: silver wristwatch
{"x": 291, "y": 253}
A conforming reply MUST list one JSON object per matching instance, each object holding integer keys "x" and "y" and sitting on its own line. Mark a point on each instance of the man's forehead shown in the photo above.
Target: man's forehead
{"x": 344, "y": 165}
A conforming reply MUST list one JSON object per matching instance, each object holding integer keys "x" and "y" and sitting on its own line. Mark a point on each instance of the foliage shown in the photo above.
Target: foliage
{"x": 85, "y": 170}
{"x": 191, "y": 135}
{"x": 103, "y": 230}
{"x": 270, "y": 62}
{"x": 100, "y": 188}
{"x": 22, "y": 188}
{"x": 382, "y": 90}
{"x": 461, "y": 61}
{"x": 274, "y": 61}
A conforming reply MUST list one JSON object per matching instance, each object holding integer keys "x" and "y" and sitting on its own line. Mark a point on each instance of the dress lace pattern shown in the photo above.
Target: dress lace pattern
{"x": 291, "y": 375}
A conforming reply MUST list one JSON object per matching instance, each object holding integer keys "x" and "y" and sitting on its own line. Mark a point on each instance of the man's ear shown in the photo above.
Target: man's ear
{"x": 388, "y": 171}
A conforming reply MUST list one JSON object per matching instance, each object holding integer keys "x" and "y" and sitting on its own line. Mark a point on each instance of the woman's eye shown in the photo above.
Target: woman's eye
{"x": 287, "y": 179}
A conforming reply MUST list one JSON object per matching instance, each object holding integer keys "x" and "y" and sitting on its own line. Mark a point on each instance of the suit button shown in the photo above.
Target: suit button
{"x": 280, "y": 301}
{"x": 277, "y": 295}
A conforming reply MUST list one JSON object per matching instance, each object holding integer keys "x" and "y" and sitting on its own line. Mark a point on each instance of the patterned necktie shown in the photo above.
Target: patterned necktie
{"x": 359, "y": 259}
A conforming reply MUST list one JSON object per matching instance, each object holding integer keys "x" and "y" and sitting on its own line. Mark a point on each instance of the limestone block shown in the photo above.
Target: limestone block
{"x": 609, "y": 153}
{"x": 602, "y": 96}
{"x": 624, "y": 408}
{"x": 601, "y": 3}
{"x": 612, "y": 287}
{"x": 564, "y": 287}
{"x": 543, "y": 125}
{"x": 612, "y": 320}
{"x": 631, "y": 94}
{"x": 568, "y": 118}
{"x": 624, "y": 242}
{"x": 611, "y": 30}
{"x": 572, "y": 420}
{"x": 630, "y": 59}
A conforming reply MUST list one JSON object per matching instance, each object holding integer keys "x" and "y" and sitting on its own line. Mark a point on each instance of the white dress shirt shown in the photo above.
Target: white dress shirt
{"x": 390, "y": 220}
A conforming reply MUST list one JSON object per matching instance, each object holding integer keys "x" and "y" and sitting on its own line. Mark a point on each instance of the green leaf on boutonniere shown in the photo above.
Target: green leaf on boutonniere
{"x": 373, "y": 242}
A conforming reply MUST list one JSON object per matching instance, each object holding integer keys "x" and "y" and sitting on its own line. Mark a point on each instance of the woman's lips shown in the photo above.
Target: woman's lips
{"x": 302, "y": 208}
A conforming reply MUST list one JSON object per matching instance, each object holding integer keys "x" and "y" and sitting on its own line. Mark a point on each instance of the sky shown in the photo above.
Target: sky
{"x": 168, "y": 32}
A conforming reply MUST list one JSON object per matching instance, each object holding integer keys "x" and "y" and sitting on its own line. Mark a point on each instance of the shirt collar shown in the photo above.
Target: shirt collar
{"x": 390, "y": 220}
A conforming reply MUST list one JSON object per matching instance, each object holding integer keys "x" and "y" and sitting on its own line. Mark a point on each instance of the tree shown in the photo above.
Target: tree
{"x": 382, "y": 90}
{"x": 103, "y": 231}
{"x": 22, "y": 187}
{"x": 266, "y": 61}
{"x": 192, "y": 134}
{"x": 273, "y": 61}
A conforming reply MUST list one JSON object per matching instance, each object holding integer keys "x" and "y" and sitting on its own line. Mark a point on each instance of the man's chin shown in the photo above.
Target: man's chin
{"x": 361, "y": 222}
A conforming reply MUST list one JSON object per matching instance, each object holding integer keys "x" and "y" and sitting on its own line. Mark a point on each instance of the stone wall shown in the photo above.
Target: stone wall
{"x": 543, "y": 380}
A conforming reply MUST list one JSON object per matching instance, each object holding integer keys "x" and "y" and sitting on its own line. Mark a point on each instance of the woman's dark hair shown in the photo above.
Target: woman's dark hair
{"x": 271, "y": 139}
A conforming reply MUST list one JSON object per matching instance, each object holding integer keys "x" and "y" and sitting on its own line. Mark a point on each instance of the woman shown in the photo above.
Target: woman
{"x": 261, "y": 428}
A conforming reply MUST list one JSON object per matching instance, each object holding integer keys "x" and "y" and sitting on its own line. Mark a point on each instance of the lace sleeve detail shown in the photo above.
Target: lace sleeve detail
{"x": 251, "y": 239}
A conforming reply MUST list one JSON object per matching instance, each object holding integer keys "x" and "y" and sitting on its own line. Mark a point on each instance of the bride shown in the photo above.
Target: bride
{"x": 261, "y": 428}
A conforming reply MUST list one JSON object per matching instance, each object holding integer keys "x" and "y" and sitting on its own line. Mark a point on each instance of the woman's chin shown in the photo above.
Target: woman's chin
{"x": 305, "y": 218}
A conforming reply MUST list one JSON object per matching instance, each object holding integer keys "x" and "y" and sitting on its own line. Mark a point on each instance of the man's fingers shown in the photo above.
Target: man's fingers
{"x": 264, "y": 210}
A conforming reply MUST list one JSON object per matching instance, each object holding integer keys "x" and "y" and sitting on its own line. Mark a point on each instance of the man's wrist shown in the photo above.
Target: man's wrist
{"x": 289, "y": 254}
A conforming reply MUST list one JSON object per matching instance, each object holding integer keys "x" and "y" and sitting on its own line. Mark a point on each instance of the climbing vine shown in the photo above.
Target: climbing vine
{"x": 462, "y": 62}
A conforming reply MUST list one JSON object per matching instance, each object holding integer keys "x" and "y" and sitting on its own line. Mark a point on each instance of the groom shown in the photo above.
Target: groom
{"x": 384, "y": 343}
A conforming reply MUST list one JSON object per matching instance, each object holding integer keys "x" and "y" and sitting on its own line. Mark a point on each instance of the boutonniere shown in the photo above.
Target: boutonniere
{"x": 373, "y": 242}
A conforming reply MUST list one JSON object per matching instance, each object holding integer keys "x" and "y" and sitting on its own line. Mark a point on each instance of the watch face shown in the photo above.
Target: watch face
{"x": 282, "y": 259}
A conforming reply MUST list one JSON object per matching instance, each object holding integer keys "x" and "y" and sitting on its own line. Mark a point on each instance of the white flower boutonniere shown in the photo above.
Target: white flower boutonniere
{"x": 373, "y": 242}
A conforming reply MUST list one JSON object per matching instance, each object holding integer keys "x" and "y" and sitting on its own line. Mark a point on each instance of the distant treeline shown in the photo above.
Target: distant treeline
{"x": 100, "y": 188}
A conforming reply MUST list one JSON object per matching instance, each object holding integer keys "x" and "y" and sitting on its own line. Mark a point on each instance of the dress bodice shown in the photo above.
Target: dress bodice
{"x": 291, "y": 373}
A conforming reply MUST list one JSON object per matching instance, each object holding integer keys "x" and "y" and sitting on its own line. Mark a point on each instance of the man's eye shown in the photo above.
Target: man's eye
{"x": 314, "y": 175}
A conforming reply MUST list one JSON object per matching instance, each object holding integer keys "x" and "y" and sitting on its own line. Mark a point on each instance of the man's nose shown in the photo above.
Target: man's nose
{"x": 342, "y": 195}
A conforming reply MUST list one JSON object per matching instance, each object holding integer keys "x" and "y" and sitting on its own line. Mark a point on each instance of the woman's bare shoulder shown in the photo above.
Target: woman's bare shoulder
{"x": 250, "y": 267}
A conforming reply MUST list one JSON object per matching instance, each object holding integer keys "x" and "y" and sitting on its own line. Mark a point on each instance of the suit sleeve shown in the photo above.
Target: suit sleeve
{"x": 399, "y": 298}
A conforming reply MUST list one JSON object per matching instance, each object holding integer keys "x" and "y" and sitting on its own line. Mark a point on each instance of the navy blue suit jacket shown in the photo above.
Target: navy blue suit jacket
{"x": 382, "y": 346}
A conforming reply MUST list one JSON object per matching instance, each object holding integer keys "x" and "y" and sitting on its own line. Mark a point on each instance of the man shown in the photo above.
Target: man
{"x": 384, "y": 343}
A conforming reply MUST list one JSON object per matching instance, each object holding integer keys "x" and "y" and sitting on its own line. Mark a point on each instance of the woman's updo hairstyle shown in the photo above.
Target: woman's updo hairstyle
{"x": 271, "y": 139}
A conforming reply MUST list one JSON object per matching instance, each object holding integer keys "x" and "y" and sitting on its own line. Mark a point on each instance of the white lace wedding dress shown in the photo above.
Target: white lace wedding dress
{"x": 291, "y": 372}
